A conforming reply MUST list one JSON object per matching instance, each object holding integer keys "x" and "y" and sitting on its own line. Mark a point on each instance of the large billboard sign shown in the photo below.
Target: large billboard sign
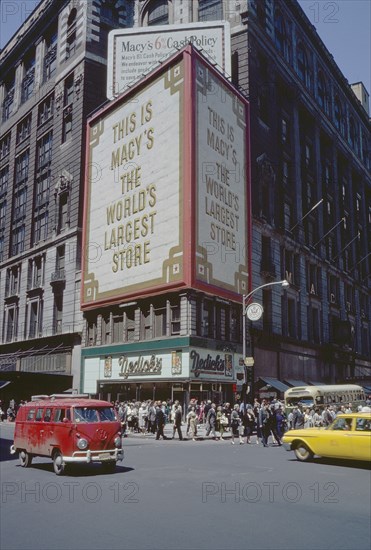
{"x": 134, "y": 52}
{"x": 167, "y": 187}
{"x": 133, "y": 222}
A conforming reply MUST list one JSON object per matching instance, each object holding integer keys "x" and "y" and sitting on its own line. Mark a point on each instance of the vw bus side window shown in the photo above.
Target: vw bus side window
{"x": 85, "y": 414}
{"x": 59, "y": 414}
{"x": 39, "y": 415}
{"x": 107, "y": 414}
{"x": 31, "y": 414}
{"x": 48, "y": 415}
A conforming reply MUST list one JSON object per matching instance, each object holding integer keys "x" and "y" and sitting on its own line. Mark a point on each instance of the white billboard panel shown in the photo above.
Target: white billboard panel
{"x": 222, "y": 183}
{"x": 133, "y": 227}
{"x": 134, "y": 52}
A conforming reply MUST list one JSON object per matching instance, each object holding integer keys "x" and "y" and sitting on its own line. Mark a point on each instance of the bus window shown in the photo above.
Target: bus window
{"x": 31, "y": 414}
{"x": 39, "y": 415}
{"x": 47, "y": 415}
{"x": 59, "y": 414}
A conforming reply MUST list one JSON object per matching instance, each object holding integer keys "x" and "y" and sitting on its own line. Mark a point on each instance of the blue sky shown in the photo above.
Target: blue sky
{"x": 343, "y": 25}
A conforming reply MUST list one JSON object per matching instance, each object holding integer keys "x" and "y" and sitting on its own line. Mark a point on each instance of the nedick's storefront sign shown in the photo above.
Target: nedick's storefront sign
{"x": 211, "y": 365}
{"x": 140, "y": 367}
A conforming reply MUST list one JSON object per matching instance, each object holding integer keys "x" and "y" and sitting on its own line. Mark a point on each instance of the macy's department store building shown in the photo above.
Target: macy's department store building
{"x": 166, "y": 235}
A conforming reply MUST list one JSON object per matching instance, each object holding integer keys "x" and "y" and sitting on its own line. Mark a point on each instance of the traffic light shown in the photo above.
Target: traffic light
{"x": 249, "y": 374}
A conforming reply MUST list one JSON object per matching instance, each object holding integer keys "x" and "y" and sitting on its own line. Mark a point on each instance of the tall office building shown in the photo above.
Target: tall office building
{"x": 311, "y": 212}
{"x": 53, "y": 74}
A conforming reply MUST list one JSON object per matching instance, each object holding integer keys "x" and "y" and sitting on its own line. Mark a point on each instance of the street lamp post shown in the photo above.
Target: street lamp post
{"x": 245, "y": 299}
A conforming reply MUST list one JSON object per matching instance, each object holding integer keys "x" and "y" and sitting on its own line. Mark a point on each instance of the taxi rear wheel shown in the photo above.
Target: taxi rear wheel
{"x": 58, "y": 463}
{"x": 25, "y": 459}
{"x": 302, "y": 452}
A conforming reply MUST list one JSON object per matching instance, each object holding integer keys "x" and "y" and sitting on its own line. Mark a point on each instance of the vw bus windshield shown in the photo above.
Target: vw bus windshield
{"x": 92, "y": 414}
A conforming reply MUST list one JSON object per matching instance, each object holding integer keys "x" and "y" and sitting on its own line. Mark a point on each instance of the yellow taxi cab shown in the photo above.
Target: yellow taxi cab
{"x": 348, "y": 437}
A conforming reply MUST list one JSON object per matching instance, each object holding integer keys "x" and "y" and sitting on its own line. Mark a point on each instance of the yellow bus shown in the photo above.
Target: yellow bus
{"x": 320, "y": 396}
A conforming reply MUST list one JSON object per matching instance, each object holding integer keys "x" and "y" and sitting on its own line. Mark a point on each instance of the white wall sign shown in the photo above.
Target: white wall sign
{"x": 222, "y": 183}
{"x": 134, "y": 52}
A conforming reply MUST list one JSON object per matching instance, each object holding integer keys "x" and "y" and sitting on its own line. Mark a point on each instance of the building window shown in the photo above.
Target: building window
{"x": 353, "y": 136}
{"x": 303, "y": 67}
{"x": 58, "y": 313}
{"x": 2, "y": 245}
{"x": 333, "y": 290}
{"x": 146, "y": 324}
{"x": 118, "y": 327}
{"x": 210, "y": 10}
{"x": 2, "y": 213}
{"x": 314, "y": 280}
{"x": 34, "y": 316}
{"x": 63, "y": 212}
{"x": 207, "y": 321}
{"x": 29, "y": 79}
{"x": 285, "y": 135}
{"x": 322, "y": 93}
{"x": 18, "y": 239}
{"x": 44, "y": 151}
{"x": 36, "y": 272}
{"x": 281, "y": 36}
{"x": 291, "y": 267}
{"x": 46, "y": 109}
{"x": 106, "y": 328}
{"x": 339, "y": 116}
{"x": 11, "y": 322}
{"x": 291, "y": 318}
{"x": 21, "y": 167}
{"x": 8, "y": 102}
{"x": 109, "y": 19}
{"x": 158, "y": 13}
{"x": 71, "y": 34}
{"x": 175, "y": 319}
{"x": 129, "y": 324}
{"x": 160, "y": 321}
{"x": 4, "y": 178}
{"x": 50, "y": 59}
{"x": 13, "y": 281}
{"x": 261, "y": 12}
{"x": 42, "y": 190}
{"x": 67, "y": 110}
{"x": 222, "y": 325}
{"x": 40, "y": 228}
{"x": 19, "y": 203}
{"x": 235, "y": 323}
{"x": 5, "y": 146}
{"x": 23, "y": 129}
{"x": 267, "y": 307}
{"x": 314, "y": 326}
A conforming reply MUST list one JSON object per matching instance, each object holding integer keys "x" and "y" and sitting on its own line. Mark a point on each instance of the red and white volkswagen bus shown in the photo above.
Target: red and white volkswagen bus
{"x": 69, "y": 429}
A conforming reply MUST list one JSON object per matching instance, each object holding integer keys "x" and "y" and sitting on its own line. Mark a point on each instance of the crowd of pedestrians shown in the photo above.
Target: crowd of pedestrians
{"x": 240, "y": 422}
{"x": 265, "y": 420}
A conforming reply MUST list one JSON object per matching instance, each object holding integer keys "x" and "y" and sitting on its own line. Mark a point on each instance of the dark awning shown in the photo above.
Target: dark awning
{"x": 3, "y": 383}
{"x": 315, "y": 383}
{"x": 275, "y": 383}
{"x": 296, "y": 383}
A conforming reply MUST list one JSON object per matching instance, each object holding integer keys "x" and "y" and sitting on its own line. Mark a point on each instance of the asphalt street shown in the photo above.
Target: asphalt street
{"x": 187, "y": 495}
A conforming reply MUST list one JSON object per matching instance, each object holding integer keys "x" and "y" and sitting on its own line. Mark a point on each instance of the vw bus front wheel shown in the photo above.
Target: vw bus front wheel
{"x": 25, "y": 459}
{"x": 58, "y": 463}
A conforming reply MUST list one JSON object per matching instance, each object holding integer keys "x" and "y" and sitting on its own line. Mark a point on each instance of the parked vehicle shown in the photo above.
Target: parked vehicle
{"x": 70, "y": 430}
{"x": 348, "y": 437}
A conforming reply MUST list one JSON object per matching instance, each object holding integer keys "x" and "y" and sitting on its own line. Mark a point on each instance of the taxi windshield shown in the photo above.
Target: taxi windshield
{"x": 93, "y": 414}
